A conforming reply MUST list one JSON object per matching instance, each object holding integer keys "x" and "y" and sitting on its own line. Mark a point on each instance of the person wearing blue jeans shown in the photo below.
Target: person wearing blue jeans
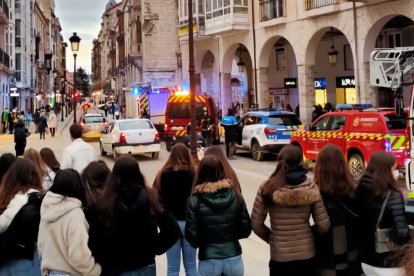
{"x": 189, "y": 255}
{"x": 229, "y": 266}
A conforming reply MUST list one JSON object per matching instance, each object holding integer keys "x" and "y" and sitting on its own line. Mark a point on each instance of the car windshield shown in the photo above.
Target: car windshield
{"x": 182, "y": 111}
{"x": 131, "y": 125}
{"x": 94, "y": 119}
{"x": 284, "y": 120}
{"x": 393, "y": 122}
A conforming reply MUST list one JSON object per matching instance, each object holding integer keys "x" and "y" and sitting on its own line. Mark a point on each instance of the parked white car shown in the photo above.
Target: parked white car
{"x": 130, "y": 136}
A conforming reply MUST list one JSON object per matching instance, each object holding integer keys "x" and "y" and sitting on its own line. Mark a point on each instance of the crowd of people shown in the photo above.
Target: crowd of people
{"x": 79, "y": 217}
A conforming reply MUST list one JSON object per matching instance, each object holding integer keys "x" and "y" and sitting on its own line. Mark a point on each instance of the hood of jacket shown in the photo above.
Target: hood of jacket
{"x": 54, "y": 206}
{"x": 132, "y": 202}
{"x": 216, "y": 195}
{"x": 14, "y": 206}
{"x": 296, "y": 174}
{"x": 296, "y": 195}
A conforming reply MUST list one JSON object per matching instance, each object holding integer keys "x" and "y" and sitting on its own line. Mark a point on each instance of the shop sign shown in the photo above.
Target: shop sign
{"x": 277, "y": 91}
{"x": 320, "y": 83}
{"x": 291, "y": 82}
{"x": 183, "y": 30}
{"x": 14, "y": 94}
{"x": 345, "y": 82}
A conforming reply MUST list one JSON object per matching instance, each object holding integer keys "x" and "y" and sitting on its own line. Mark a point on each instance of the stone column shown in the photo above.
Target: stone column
{"x": 197, "y": 78}
{"x": 263, "y": 87}
{"x": 226, "y": 94}
{"x": 306, "y": 76}
{"x": 367, "y": 93}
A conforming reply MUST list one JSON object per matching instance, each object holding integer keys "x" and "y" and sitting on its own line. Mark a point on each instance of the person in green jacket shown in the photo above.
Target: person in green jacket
{"x": 216, "y": 219}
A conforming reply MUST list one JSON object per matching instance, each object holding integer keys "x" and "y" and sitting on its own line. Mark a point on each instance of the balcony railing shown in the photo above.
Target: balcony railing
{"x": 314, "y": 4}
{"x": 4, "y": 58}
{"x": 271, "y": 9}
{"x": 5, "y": 8}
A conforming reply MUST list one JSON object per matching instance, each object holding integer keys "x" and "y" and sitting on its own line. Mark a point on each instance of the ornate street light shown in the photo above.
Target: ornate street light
{"x": 191, "y": 73}
{"x": 332, "y": 54}
{"x": 240, "y": 63}
{"x": 74, "y": 43}
{"x": 63, "y": 97}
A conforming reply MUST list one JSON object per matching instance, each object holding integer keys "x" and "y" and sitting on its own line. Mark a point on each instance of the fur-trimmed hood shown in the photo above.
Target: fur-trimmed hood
{"x": 212, "y": 187}
{"x": 303, "y": 194}
{"x": 216, "y": 195}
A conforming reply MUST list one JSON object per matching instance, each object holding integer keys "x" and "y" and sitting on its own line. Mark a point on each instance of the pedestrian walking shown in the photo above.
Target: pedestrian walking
{"x": 229, "y": 122}
{"x": 206, "y": 127}
{"x": 94, "y": 177}
{"x": 174, "y": 184}
{"x": 337, "y": 251}
{"x": 49, "y": 158}
{"x": 63, "y": 231}
{"x": 20, "y": 200}
{"x": 228, "y": 170}
{"x": 42, "y": 125}
{"x": 79, "y": 153}
{"x": 10, "y": 121}
{"x": 6, "y": 160}
{"x": 20, "y": 138}
{"x": 128, "y": 225}
{"x": 28, "y": 118}
{"x": 52, "y": 122}
{"x": 113, "y": 110}
{"x": 290, "y": 197}
{"x": 381, "y": 206}
{"x": 46, "y": 173}
{"x": 106, "y": 110}
{"x": 36, "y": 120}
{"x": 4, "y": 120}
{"x": 216, "y": 220}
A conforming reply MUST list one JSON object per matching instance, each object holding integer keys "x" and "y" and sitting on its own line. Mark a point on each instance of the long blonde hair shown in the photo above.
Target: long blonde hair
{"x": 34, "y": 156}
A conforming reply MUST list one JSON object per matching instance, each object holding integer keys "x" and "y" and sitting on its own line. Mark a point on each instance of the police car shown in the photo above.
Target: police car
{"x": 265, "y": 131}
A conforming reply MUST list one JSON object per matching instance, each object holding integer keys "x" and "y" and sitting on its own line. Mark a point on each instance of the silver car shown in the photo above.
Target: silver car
{"x": 93, "y": 125}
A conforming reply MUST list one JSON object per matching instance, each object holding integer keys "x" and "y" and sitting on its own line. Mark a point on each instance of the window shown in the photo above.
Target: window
{"x": 338, "y": 123}
{"x": 130, "y": 125}
{"x": 182, "y": 111}
{"x": 94, "y": 119}
{"x": 284, "y": 120}
{"x": 270, "y": 9}
{"x": 322, "y": 124}
{"x": 280, "y": 59}
{"x": 393, "y": 122}
{"x": 394, "y": 39}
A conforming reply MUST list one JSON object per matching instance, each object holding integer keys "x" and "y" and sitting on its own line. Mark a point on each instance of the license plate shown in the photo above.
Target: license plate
{"x": 287, "y": 133}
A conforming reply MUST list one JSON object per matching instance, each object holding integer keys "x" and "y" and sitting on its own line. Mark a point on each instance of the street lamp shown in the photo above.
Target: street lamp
{"x": 191, "y": 72}
{"x": 74, "y": 43}
{"x": 55, "y": 73}
{"x": 333, "y": 54}
{"x": 63, "y": 97}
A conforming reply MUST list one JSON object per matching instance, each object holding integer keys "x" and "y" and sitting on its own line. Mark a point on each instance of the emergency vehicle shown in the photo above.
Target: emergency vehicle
{"x": 177, "y": 117}
{"x": 358, "y": 133}
{"x": 149, "y": 100}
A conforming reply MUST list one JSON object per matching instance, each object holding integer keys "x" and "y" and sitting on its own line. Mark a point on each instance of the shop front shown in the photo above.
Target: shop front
{"x": 321, "y": 97}
{"x": 345, "y": 90}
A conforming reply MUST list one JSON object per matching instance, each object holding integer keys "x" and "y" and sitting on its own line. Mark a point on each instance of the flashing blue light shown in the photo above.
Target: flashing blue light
{"x": 186, "y": 85}
{"x": 136, "y": 90}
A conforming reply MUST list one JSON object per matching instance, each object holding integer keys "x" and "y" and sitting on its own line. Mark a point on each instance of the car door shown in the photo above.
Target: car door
{"x": 240, "y": 125}
{"x": 249, "y": 129}
{"x": 317, "y": 137}
{"x": 107, "y": 138}
{"x": 336, "y": 136}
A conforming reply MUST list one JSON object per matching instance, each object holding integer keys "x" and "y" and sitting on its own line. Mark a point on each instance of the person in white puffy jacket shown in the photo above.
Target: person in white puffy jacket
{"x": 63, "y": 231}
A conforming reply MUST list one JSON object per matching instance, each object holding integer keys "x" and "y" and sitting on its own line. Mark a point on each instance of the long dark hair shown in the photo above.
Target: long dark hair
{"x": 48, "y": 156}
{"x": 289, "y": 156}
{"x": 228, "y": 170}
{"x": 180, "y": 159}
{"x": 94, "y": 177}
{"x": 332, "y": 172}
{"x": 6, "y": 160}
{"x": 125, "y": 175}
{"x": 68, "y": 183}
{"x": 22, "y": 176}
{"x": 210, "y": 169}
{"x": 379, "y": 166}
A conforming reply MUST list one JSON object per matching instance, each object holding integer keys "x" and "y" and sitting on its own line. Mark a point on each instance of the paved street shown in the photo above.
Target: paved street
{"x": 251, "y": 174}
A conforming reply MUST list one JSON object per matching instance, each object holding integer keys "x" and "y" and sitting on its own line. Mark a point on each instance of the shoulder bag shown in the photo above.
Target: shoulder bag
{"x": 383, "y": 242}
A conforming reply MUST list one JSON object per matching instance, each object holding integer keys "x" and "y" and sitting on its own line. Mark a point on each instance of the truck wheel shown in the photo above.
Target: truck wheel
{"x": 356, "y": 165}
{"x": 256, "y": 152}
{"x": 168, "y": 146}
{"x": 103, "y": 152}
{"x": 155, "y": 154}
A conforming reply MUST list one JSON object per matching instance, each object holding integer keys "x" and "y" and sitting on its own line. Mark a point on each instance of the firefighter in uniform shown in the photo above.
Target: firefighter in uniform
{"x": 206, "y": 127}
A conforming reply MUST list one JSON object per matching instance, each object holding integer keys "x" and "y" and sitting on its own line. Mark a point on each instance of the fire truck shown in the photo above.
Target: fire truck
{"x": 177, "y": 117}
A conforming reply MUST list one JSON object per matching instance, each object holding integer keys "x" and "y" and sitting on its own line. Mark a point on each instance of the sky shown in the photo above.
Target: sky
{"x": 83, "y": 17}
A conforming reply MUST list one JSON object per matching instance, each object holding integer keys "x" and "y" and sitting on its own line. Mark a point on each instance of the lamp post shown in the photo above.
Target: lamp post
{"x": 74, "y": 43}
{"x": 55, "y": 73}
{"x": 63, "y": 97}
{"x": 191, "y": 71}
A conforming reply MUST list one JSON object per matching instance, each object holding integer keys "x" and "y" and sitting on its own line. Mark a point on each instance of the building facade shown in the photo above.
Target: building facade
{"x": 6, "y": 47}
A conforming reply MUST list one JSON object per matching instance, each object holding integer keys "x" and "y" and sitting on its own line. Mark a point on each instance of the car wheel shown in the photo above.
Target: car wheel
{"x": 168, "y": 146}
{"x": 115, "y": 155}
{"x": 356, "y": 166}
{"x": 155, "y": 155}
{"x": 256, "y": 152}
{"x": 103, "y": 152}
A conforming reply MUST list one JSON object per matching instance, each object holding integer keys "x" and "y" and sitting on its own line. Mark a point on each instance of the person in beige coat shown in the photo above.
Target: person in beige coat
{"x": 52, "y": 123}
{"x": 290, "y": 197}
{"x": 63, "y": 231}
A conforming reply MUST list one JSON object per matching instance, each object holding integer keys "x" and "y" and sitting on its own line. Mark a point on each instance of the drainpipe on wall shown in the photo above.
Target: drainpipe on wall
{"x": 254, "y": 55}
{"x": 356, "y": 66}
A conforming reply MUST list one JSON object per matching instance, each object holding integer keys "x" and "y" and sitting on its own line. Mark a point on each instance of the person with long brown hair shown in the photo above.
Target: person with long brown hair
{"x": 124, "y": 235}
{"x": 49, "y": 158}
{"x": 337, "y": 251}
{"x": 217, "y": 218}
{"x": 94, "y": 177}
{"x": 378, "y": 187}
{"x": 228, "y": 170}
{"x": 47, "y": 174}
{"x": 174, "y": 184}
{"x": 6, "y": 160}
{"x": 290, "y": 197}
{"x": 20, "y": 200}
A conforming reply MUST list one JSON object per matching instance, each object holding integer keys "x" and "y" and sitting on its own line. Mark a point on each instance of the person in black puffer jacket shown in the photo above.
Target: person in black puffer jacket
{"x": 123, "y": 234}
{"x": 379, "y": 180}
{"x": 216, "y": 219}
{"x": 20, "y": 135}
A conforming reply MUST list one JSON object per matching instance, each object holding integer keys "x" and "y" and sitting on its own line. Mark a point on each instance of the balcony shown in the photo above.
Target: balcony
{"x": 4, "y": 59}
{"x": 4, "y": 12}
{"x": 232, "y": 16}
{"x": 315, "y": 4}
{"x": 271, "y": 9}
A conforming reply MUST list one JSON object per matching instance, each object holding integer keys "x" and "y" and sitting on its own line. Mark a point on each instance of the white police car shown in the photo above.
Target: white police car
{"x": 266, "y": 131}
